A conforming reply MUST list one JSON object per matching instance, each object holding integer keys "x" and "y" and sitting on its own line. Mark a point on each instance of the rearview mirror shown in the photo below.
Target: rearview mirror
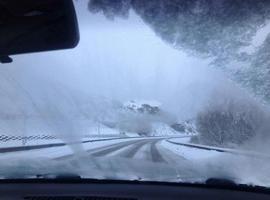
{"x": 36, "y": 25}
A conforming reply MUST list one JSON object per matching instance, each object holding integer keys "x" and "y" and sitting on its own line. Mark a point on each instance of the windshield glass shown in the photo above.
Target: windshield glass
{"x": 174, "y": 91}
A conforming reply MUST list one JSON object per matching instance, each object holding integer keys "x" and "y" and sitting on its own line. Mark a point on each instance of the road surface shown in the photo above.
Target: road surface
{"x": 145, "y": 149}
{"x": 144, "y": 157}
{"x": 125, "y": 158}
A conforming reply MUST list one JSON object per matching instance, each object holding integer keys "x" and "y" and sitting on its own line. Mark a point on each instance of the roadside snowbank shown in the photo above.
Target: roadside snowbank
{"x": 187, "y": 152}
{"x": 186, "y": 142}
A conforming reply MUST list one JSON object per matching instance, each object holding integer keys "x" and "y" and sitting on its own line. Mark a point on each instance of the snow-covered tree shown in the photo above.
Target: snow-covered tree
{"x": 230, "y": 120}
{"x": 217, "y": 29}
{"x": 256, "y": 76}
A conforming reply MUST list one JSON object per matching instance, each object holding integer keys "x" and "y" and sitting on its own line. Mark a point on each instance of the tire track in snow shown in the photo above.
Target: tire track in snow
{"x": 184, "y": 168}
{"x": 131, "y": 149}
{"x": 144, "y": 153}
{"x": 156, "y": 156}
{"x": 116, "y": 147}
{"x": 103, "y": 149}
{"x": 130, "y": 153}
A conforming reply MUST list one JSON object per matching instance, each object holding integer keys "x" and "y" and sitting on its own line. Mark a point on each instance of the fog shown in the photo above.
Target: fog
{"x": 63, "y": 93}
{"x": 119, "y": 59}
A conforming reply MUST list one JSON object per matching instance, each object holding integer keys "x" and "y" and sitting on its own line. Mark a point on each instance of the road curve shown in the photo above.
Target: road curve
{"x": 144, "y": 157}
{"x": 148, "y": 149}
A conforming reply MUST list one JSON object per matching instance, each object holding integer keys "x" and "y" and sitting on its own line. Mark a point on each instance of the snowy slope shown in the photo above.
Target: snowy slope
{"x": 162, "y": 129}
{"x": 91, "y": 119}
{"x": 137, "y": 104}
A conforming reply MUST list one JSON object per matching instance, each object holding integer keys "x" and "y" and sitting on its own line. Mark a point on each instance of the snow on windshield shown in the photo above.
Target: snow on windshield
{"x": 175, "y": 95}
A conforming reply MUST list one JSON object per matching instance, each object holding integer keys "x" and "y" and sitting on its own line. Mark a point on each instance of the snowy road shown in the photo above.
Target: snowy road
{"x": 148, "y": 158}
{"x": 143, "y": 149}
{"x": 140, "y": 155}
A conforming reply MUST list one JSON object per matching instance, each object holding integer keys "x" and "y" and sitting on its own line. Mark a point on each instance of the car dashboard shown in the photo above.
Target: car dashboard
{"x": 39, "y": 189}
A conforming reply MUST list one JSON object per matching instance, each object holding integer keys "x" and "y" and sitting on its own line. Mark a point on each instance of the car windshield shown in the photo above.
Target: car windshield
{"x": 156, "y": 90}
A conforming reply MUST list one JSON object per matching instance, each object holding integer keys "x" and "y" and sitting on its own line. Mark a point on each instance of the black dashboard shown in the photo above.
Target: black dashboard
{"x": 37, "y": 189}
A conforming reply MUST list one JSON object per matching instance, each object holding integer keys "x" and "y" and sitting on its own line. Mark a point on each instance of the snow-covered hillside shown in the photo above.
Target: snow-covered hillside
{"x": 81, "y": 117}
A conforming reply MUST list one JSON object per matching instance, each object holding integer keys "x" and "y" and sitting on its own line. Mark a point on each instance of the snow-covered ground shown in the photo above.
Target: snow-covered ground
{"x": 66, "y": 150}
{"x": 110, "y": 148}
{"x": 183, "y": 145}
{"x": 188, "y": 152}
{"x": 96, "y": 132}
{"x": 161, "y": 129}
{"x": 141, "y": 158}
{"x": 237, "y": 165}
{"x": 129, "y": 119}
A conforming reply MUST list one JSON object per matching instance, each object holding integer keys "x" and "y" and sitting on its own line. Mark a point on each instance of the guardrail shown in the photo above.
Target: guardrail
{"x": 226, "y": 150}
{"x": 42, "y": 146}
